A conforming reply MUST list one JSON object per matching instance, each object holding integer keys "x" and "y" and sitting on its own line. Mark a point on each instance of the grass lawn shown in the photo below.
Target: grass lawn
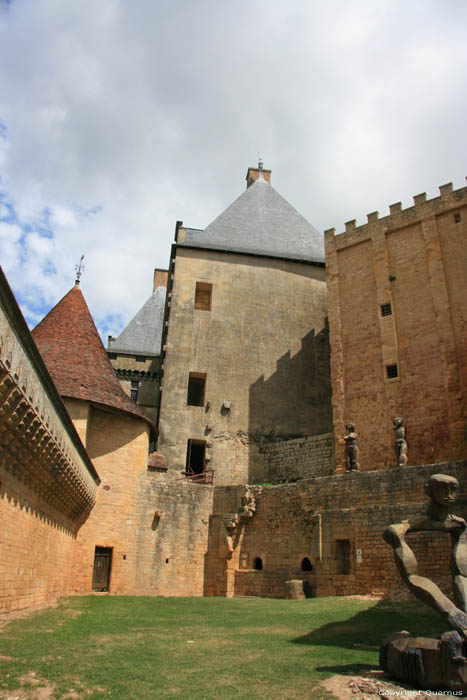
{"x": 197, "y": 648}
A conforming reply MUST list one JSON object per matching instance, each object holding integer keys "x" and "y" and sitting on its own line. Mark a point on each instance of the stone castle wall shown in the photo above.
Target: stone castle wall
{"x": 311, "y": 519}
{"x": 397, "y": 299}
{"x": 298, "y": 458}
{"x": 47, "y": 482}
{"x": 118, "y": 446}
{"x": 263, "y": 346}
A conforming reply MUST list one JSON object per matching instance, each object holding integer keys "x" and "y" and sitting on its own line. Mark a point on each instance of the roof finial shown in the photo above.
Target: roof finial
{"x": 260, "y": 168}
{"x": 79, "y": 270}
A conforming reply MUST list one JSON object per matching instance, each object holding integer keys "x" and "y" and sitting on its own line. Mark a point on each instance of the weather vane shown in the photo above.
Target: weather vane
{"x": 79, "y": 270}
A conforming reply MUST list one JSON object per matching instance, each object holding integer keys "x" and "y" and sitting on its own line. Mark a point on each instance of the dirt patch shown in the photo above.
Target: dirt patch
{"x": 372, "y": 685}
{"x": 34, "y": 687}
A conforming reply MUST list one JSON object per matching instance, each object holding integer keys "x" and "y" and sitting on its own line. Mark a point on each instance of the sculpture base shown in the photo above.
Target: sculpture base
{"x": 426, "y": 662}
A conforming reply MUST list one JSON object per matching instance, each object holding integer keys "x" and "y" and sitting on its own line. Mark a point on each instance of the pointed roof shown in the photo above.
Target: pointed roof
{"x": 144, "y": 332}
{"x": 74, "y": 354}
{"x": 261, "y": 222}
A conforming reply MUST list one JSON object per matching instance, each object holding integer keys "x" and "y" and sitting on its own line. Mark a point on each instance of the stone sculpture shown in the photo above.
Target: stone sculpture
{"x": 400, "y": 444}
{"x": 408, "y": 658}
{"x": 351, "y": 449}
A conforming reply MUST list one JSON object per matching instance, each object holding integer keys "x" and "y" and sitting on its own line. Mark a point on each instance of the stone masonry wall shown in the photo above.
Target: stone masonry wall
{"x": 264, "y": 348}
{"x": 298, "y": 458}
{"x": 118, "y": 446}
{"x": 311, "y": 519}
{"x": 397, "y": 299}
{"x": 172, "y": 538}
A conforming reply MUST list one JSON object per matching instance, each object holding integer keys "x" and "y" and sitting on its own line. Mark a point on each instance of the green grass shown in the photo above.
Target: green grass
{"x": 198, "y": 648}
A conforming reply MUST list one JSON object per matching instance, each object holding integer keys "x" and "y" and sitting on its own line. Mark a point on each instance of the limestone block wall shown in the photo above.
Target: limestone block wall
{"x": 298, "y": 458}
{"x": 118, "y": 445}
{"x": 47, "y": 482}
{"x": 143, "y": 370}
{"x": 172, "y": 538}
{"x": 398, "y": 313}
{"x": 321, "y": 519}
{"x": 263, "y": 346}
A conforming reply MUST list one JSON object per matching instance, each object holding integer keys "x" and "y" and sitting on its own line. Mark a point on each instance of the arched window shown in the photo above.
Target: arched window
{"x": 258, "y": 564}
{"x": 306, "y": 564}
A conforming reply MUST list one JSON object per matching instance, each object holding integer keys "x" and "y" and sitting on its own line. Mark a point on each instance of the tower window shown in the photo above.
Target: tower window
{"x": 392, "y": 371}
{"x": 196, "y": 456}
{"x": 196, "y": 389}
{"x": 457, "y": 218}
{"x": 386, "y": 310}
{"x": 134, "y": 390}
{"x": 203, "y": 294}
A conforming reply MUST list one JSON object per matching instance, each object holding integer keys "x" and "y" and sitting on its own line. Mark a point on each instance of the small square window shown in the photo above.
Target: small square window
{"x": 457, "y": 217}
{"x": 203, "y": 294}
{"x": 392, "y": 371}
{"x": 196, "y": 389}
{"x": 386, "y": 309}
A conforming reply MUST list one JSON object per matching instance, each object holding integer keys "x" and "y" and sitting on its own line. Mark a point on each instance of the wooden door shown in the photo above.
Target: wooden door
{"x": 101, "y": 573}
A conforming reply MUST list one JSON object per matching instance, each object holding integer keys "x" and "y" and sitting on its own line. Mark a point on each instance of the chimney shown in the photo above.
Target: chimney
{"x": 160, "y": 278}
{"x": 254, "y": 173}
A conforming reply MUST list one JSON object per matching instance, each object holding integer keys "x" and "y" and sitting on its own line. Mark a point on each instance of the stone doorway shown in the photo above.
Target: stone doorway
{"x": 101, "y": 571}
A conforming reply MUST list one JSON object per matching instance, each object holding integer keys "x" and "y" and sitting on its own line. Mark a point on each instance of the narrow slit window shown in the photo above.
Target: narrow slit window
{"x": 203, "y": 295}
{"x": 392, "y": 371}
{"x": 457, "y": 217}
{"x": 134, "y": 390}
{"x": 386, "y": 309}
{"x": 196, "y": 389}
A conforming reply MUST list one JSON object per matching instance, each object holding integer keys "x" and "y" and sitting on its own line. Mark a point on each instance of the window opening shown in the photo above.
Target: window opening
{"x": 203, "y": 294}
{"x": 112, "y": 355}
{"x": 258, "y": 564}
{"x": 343, "y": 556}
{"x": 196, "y": 389}
{"x": 196, "y": 456}
{"x": 457, "y": 218}
{"x": 140, "y": 358}
{"x": 386, "y": 310}
{"x": 391, "y": 371}
{"x": 134, "y": 390}
{"x": 306, "y": 564}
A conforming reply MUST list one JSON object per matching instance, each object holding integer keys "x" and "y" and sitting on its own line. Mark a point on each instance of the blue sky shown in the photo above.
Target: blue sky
{"x": 117, "y": 119}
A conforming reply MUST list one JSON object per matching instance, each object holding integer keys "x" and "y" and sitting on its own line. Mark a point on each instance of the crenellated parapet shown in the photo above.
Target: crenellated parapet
{"x": 397, "y": 307}
{"x": 422, "y": 208}
{"x": 38, "y": 443}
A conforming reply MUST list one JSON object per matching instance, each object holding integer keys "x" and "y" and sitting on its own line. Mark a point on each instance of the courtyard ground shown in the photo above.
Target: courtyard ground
{"x": 128, "y": 648}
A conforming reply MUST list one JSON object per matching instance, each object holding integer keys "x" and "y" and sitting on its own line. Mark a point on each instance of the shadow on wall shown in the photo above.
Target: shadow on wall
{"x": 296, "y": 399}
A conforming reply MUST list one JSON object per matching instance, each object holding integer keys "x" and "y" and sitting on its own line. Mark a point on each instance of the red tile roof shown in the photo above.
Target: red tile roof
{"x": 76, "y": 358}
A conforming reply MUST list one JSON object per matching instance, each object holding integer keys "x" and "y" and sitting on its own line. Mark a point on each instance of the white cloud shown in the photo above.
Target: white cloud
{"x": 150, "y": 112}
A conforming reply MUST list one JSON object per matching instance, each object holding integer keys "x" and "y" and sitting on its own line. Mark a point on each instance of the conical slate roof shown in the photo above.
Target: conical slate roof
{"x": 144, "y": 332}
{"x": 261, "y": 222}
{"x": 76, "y": 358}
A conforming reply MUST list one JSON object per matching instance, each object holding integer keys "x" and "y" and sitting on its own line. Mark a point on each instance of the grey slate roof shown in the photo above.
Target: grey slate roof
{"x": 261, "y": 222}
{"x": 144, "y": 332}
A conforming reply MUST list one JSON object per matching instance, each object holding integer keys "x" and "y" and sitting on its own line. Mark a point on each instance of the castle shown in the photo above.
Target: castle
{"x": 256, "y": 347}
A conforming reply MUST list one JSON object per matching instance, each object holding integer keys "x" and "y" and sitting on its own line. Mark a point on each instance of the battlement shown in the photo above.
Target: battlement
{"x": 422, "y": 208}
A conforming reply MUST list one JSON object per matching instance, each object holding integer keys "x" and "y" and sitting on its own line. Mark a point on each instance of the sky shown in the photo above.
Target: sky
{"x": 119, "y": 118}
